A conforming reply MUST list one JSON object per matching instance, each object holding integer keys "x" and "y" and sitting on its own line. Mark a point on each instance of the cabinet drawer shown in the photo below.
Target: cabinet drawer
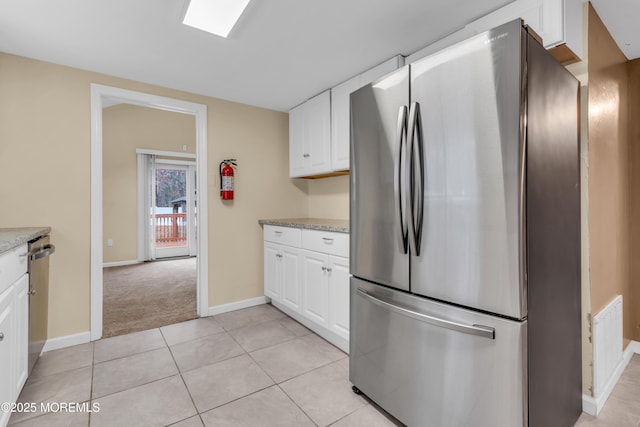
{"x": 326, "y": 242}
{"x": 283, "y": 235}
{"x": 13, "y": 264}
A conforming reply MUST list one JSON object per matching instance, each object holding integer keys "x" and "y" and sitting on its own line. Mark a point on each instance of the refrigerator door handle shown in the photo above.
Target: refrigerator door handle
{"x": 478, "y": 330}
{"x": 415, "y": 177}
{"x": 399, "y": 166}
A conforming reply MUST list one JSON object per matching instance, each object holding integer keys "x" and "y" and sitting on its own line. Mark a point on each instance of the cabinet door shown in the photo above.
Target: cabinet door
{"x": 291, "y": 284}
{"x": 315, "y": 287}
{"x": 339, "y": 296}
{"x": 341, "y": 122}
{"x": 543, "y": 16}
{"x": 297, "y": 141}
{"x": 22, "y": 332}
{"x": 318, "y": 134}
{"x": 7, "y": 357}
{"x": 272, "y": 270}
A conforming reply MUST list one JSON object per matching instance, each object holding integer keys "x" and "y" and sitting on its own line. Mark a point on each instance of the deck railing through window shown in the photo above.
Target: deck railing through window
{"x": 171, "y": 229}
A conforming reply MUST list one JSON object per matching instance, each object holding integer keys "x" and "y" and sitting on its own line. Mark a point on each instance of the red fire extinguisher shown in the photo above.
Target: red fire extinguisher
{"x": 226, "y": 178}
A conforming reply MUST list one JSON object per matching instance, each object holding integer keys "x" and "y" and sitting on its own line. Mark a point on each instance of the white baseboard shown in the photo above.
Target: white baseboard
{"x": 634, "y": 347}
{"x": 85, "y": 337}
{"x": 218, "y": 309}
{"x": 592, "y": 405}
{"x": 120, "y": 263}
{"x": 66, "y": 341}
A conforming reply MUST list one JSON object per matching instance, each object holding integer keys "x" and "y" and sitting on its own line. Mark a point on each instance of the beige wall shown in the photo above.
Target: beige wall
{"x": 124, "y": 129}
{"x": 634, "y": 194}
{"x": 329, "y": 197}
{"x": 45, "y": 162}
{"x": 608, "y": 172}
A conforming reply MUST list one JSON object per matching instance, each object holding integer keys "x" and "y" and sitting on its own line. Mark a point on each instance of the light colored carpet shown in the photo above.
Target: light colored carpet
{"x": 148, "y": 295}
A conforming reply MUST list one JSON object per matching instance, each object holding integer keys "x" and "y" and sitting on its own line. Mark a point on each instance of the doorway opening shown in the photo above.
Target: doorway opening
{"x": 189, "y": 236}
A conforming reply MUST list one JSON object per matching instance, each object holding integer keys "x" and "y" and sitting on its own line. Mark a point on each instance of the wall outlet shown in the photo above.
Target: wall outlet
{"x": 184, "y": 147}
{"x": 109, "y": 242}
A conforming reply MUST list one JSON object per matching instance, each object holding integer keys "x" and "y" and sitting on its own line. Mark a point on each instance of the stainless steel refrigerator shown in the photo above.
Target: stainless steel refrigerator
{"x": 465, "y": 237}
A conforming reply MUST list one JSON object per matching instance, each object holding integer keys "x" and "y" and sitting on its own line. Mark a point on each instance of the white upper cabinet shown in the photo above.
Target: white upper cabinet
{"x": 310, "y": 137}
{"x": 340, "y": 123}
{"x": 557, "y": 22}
{"x": 319, "y": 128}
{"x": 340, "y": 114}
{"x": 296, "y": 141}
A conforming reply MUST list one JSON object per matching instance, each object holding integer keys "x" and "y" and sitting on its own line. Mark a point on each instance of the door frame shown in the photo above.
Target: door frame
{"x": 101, "y": 96}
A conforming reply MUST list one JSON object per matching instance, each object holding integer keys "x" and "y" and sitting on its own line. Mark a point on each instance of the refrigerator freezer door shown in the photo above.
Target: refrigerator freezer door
{"x": 431, "y": 364}
{"x": 378, "y": 213}
{"x": 471, "y": 116}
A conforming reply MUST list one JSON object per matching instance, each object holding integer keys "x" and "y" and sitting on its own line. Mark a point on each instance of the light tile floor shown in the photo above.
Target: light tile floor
{"x": 251, "y": 367}
{"x": 623, "y": 405}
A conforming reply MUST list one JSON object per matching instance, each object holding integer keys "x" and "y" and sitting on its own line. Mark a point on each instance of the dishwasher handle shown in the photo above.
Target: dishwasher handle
{"x": 42, "y": 252}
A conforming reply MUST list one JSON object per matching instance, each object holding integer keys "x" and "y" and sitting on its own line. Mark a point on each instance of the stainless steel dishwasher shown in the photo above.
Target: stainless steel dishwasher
{"x": 39, "y": 251}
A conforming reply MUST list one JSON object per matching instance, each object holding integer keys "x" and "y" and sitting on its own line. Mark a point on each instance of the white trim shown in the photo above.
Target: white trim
{"x": 120, "y": 263}
{"x": 224, "y": 308}
{"x": 592, "y": 405}
{"x": 66, "y": 341}
{"x": 174, "y": 162}
{"x": 184, "y": 250}
{"x": 142, "y": 207}
{"x": 589, "y": 405}
{"x": 165, "y": 153}
{"x": 99, "y": 94}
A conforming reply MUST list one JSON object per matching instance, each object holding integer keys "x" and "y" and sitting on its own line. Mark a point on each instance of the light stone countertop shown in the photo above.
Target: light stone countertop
{"x": 335, "y": 225}
{"x": 14, "y": 237}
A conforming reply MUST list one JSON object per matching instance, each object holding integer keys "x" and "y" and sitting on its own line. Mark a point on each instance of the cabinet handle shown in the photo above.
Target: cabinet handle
{"x": 1, "y": 336}
{"x": 31, "y": 292}
{"x": 328, "y": 240}
{"x": 329, "y": 269}
{"x": 24, "y": 255}
{"x": 306, "y": 155}
{"x": 278, "y": 233}
{"x": 324, "y": 268}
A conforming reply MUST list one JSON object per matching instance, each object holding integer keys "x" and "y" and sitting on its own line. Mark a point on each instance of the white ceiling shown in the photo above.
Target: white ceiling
{"x": 621, "y": 17}
{"x": 280, "y": 53}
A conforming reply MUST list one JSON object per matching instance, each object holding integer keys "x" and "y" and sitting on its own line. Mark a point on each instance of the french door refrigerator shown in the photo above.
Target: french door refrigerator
{"x": 465, "y": 237}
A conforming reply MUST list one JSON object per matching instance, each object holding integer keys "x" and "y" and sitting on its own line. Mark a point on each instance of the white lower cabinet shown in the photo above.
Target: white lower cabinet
{"x": 308, "y": 278}
{"x": 14, "y": 326}
{"x": 326, "y": 291}
{"x": 282, "y": 274}
{"x": 315, "y": 287}
{"x": 290, "y": 279}
{"x": 22, "y": 332}
{"x": 272, "y": 270}
{"x": 7, "y": 350}
{"x": 339, "y": 295}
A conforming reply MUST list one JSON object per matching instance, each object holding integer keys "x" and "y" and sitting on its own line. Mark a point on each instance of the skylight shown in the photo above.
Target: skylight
{"x": 214, "y": 16}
